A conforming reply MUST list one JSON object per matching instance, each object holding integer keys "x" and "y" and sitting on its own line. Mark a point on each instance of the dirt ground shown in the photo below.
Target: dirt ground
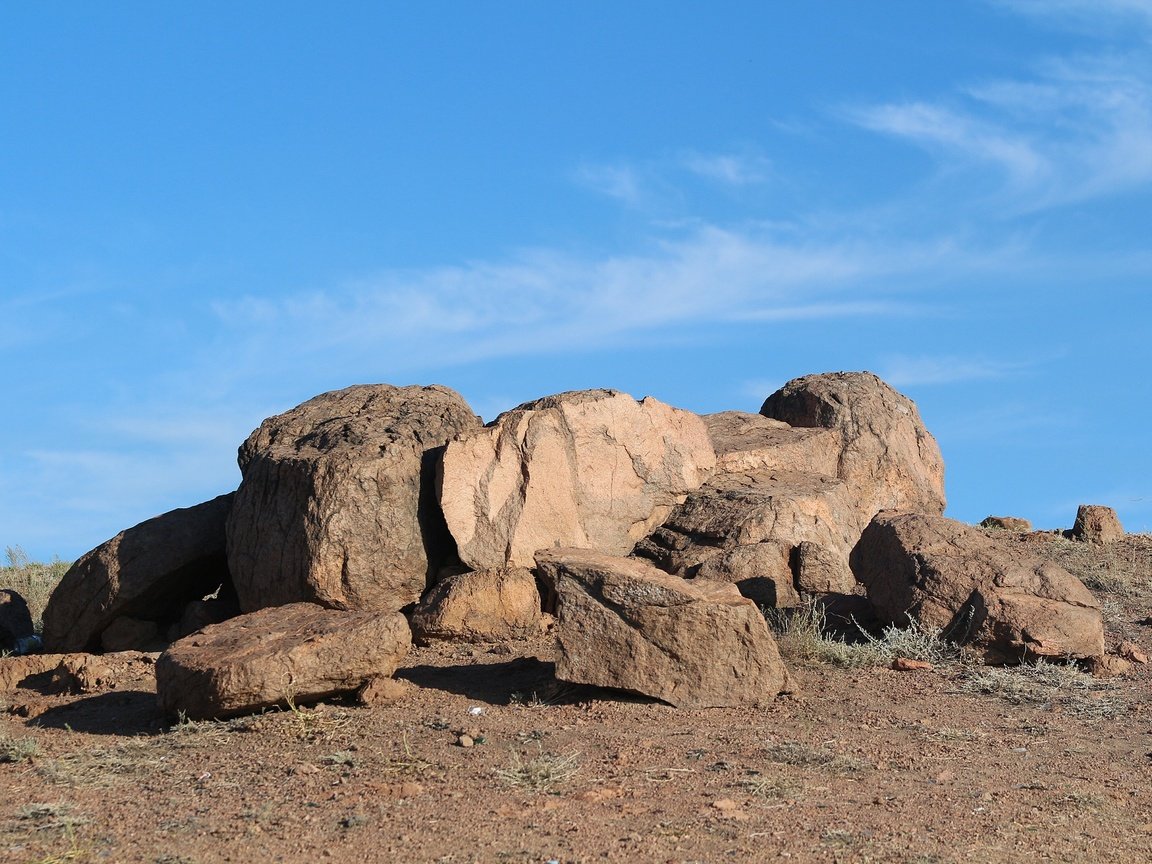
{"x": 865, "y": 764}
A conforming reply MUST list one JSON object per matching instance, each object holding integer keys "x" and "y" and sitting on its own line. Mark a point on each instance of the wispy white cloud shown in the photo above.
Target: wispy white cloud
{"x": 911, "y": 371}
{"x": 665, "y": 181}
{"x": 545, "y": 301}
{"x": 729, "y": 169}
{"x": 1078, "y": 129}
{"x": 956, "y": 133}
{"x": 620, "y": 182}
{"x": 1093, "y": 16}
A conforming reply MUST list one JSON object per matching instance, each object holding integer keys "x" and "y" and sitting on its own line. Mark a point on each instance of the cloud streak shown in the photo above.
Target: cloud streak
{"x": 1079, "y": 129}
{"x": 545, "y": 301}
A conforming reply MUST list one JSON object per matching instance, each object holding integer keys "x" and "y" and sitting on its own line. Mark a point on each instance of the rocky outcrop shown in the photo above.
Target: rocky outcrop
{"x": 796, "y": 485}
{"x": 888, "y": 458}
{"x": 771, "y": 534}
{"x": 977, "y": 590}
{"x": 593, "y": 469}
{"x": 296, "y": 654}
{"x": 623, "y": 623}
{"x": 149, "y": 572}
{"x": 1096, "y": 523}
{"x": 337, "y": 503}
{"x": 480, "y": 606}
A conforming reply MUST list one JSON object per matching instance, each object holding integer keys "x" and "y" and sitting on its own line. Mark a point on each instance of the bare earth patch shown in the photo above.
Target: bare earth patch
{"x": 485, "y": 758}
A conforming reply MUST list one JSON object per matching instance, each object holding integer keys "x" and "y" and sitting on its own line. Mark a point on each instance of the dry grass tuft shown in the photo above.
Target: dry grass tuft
{"x": 1045, "y": 685}
{"x": 803, "y": 632}
{"x": 541, "y": 772}
{"x": 16, "y": 750}
{"x": 805, "y": 756}
{"x": 32, "y": 581}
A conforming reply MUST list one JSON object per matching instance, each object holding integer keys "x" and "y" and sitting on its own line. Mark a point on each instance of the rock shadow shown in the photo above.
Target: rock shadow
{"x": 120, "y": 712}
{"x": 525, "y": 679}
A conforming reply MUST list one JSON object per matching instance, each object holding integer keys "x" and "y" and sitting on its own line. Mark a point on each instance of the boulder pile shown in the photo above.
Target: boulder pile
{"x": 645, "y": 537}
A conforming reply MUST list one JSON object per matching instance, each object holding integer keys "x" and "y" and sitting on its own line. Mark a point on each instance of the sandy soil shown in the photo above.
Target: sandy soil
{"x": 866, "y": 764}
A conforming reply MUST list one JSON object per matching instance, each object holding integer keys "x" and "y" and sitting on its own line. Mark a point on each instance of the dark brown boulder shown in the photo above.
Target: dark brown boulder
{"x": 15, "y": 620}
{"x": 338, "y": 503}
{"x": 291, "y": 654}
{"x": 148, "y": 572}
{"x": 998, "y": 597}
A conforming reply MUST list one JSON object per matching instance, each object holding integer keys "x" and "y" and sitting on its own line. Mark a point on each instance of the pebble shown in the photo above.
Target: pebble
{"x": 465, "y": 741}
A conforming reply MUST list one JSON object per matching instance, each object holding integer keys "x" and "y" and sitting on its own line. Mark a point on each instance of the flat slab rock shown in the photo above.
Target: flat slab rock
{"x": 301, "y": 652}
{"x": 623, "y": 623}
{"x": 978, "y": 590}
{"x": 752, "y": 442}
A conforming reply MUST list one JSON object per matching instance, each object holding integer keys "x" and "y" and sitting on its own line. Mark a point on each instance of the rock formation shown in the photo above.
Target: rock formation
{"x": 1001, "y": 599}
{"x": 1097, "y": 524}
{"x": 337, "y": 503}
{"x": 593, "y": 468}
{"x": 15, "y": 621}
{"x": 747, "y": 528}
{"x": 1007, "y": 523}
{"x": 149, "y": 572}
{"x": 888, "y": 457}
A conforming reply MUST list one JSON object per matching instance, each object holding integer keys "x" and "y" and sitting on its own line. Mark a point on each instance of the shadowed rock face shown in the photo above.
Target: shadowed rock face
{"x": 150, "y": 572}
{"x": 15, "y": 620}
{"x": 300, "y": 652}
{"x": 623, "y": 623}
{"x": 888, "y": 458}
{"x": 945, "y": 574}
{"x": 592, "y": 468}
{"x": 337, "y": 503}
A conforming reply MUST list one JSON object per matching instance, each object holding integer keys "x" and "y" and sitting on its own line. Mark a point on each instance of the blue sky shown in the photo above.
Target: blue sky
{"x": 210, "y": 212}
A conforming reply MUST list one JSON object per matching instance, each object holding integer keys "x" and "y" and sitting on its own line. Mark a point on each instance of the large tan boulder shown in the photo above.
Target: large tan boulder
{"x": 290, "y": 654}
{"x": 148, "y": 572}
{"x": 337, "y": 503}
{"x": 593, "y": 468}
{"x": 771, "y": 533}
{"x": 888, "y": 457}
{"x": 480, "y": 606}
{"x": 978, "y": 590}
{"x": 623, "y": 623}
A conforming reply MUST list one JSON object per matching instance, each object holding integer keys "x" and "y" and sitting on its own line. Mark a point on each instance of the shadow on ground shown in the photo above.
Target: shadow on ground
{"x": 525, "y": 679}
{"x": 121, "y": 712}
